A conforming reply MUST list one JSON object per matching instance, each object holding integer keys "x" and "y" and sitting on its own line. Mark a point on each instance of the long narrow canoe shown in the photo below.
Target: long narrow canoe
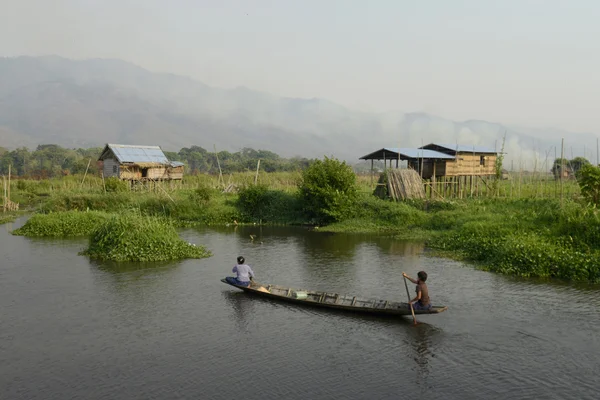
{"x": 333, "y": 300}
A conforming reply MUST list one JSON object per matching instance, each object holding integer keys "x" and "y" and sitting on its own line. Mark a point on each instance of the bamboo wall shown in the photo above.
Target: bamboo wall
{"x": 159, "y": 173}
{"x": 165, "y": 173}
{"x": 466, "y": 164}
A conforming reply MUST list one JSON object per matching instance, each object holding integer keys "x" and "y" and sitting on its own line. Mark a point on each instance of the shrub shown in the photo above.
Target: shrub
{"x": 254, "y": 201}
{"x": 588, "y": 178}
{"x": 258, "y": 203}
{"x": 113, "y": 184}
{"x": 328, "y": 190}
{"x": 203, "y": 194}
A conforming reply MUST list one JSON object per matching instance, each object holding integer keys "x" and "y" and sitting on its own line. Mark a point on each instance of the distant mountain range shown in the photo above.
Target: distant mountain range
{"x": 92, "y": 102}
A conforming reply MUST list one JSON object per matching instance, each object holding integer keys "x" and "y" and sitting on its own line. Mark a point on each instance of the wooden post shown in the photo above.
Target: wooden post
{"x": 257, "y": 168}
{"x": 103, "y": 184}
{"x": 4, "y": 194}
{"x": 219, "y": 165}
{"x": 372, "y": 173}
{"x": 562, "y": 166}
{"x": 86, "y": 170}
{"x": 8, "y": 192}
{"x": 433, "y": 180}
{"x": 422, "y": 154}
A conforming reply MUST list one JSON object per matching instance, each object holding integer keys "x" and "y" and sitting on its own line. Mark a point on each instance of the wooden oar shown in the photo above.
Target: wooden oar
{"x": 412, "y": 310}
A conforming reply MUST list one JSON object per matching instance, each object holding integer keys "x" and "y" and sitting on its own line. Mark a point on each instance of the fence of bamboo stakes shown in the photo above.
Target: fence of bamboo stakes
{"x": 405, "y": 184}
{"x": 8, "y": 205}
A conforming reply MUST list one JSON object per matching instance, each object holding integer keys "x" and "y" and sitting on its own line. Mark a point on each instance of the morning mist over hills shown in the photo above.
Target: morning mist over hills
{"x": 87, "y": 103}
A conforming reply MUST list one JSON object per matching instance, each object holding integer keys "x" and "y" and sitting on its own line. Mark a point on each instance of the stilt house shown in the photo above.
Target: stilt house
{"x": 440, "y": 160}
{"x": 138, "y": 163}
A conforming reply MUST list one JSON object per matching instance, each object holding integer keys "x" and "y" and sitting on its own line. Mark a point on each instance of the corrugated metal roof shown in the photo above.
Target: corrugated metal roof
{"x": 391, "y": 153}
{"x": 138, "y": 154}
{"x": 464, "y": 148}
{"x": 420, "y": 153}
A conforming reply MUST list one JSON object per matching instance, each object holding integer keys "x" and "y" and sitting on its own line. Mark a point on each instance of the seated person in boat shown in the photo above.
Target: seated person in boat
{"x": 244, "y": 274}
{"x": 421, "y": 300}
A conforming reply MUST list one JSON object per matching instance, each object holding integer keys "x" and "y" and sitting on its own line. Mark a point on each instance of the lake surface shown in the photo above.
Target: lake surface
{"x": 71, "y": 328}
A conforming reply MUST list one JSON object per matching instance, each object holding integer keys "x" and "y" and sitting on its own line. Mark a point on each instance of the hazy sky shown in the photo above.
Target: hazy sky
{"x": 529, "y": 62}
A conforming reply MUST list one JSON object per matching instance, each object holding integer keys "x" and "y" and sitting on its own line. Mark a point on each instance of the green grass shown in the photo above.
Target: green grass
{"x": 134, "y": 237}
{"x": 62, "y": 224}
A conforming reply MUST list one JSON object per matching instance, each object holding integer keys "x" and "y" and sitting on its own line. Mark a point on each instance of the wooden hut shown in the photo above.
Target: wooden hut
{"x": 466, "y": 160}
{"x": 440, "y": 160}
{"x": 138, "y": 163}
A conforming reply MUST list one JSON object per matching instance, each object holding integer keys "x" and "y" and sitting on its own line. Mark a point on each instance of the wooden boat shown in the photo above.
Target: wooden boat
{"x": 333, "y": 300}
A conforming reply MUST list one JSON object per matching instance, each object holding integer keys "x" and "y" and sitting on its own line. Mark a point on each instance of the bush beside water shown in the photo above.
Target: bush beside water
{"x": 133, "y": 237}
{"x": 62, "y": 224}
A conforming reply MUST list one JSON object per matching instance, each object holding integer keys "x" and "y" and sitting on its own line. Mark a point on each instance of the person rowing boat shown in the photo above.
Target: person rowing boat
{"x": 421, "y": 300}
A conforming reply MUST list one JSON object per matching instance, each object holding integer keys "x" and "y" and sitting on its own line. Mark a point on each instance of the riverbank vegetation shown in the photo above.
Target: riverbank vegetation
{"x": 528, "y": 227}
{"x": 63, "y": 224}
{"x": 133, "y": 237}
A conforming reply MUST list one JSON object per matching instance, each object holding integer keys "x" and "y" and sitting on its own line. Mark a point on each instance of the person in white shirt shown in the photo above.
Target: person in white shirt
{"x": 244, "y": 274}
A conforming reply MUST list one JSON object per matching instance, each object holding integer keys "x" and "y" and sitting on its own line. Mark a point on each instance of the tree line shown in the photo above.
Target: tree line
{"x": 51, "y": 160}
{"x": 569, "y": 168}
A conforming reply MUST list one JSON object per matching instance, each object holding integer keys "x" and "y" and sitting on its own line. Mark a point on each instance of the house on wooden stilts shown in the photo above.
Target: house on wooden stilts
{"x": 446, "y": 169}
{"x": 138, "y": 163}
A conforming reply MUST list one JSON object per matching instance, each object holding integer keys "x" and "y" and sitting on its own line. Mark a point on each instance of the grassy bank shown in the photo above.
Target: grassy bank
{"x": 535, "y": 235}
{"x": 524, "y": 237}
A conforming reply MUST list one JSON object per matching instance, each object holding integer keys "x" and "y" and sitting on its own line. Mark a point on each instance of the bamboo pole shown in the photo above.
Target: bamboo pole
{"x": 257, "y": 168}
{"x": 562, "y": 166}
{"x": 8, "y": 192}
{"x": 219, "y": 165}
{"x": 473, "y": 162}
{"x": 433, "y": 182}
{"x": 4, "y": 193}
{"x": 422, "y": 154}
{"x": 554, "y": 166}
{"x": 86, "y": 170}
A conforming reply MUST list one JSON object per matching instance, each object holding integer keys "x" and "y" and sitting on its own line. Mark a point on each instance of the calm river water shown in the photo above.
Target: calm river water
{"x": 74, "y": 329}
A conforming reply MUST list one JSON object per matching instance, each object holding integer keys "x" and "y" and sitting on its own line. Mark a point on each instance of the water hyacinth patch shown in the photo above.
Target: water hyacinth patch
{"x": 133, "y": 237}
{"x": 525, "y": 254}
{"x": 62, "y": 224}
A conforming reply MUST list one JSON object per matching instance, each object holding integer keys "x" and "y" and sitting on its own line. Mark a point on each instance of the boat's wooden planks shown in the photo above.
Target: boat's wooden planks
{"x": 334, "y": 300}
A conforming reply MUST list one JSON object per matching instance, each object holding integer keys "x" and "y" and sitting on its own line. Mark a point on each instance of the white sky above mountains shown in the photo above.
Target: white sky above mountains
{"x": 532, "y": 63}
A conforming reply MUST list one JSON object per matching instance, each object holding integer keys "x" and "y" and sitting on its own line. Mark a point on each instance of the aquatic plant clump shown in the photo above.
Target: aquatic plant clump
{"x": 62, "y": 224}
{"x": 132, "y": 237}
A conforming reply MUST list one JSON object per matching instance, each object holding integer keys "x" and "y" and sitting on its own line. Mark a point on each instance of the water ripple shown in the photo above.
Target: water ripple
{"x": 75, "y": 329}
